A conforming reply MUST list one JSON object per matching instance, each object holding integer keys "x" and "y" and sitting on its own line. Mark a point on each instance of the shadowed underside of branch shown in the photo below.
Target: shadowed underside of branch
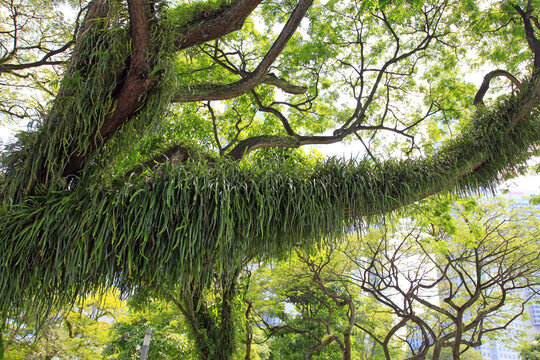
{"x": 182, "y": 224}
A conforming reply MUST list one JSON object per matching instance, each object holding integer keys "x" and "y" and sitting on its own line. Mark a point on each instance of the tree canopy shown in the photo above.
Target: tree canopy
{"x": 141, "y": 170}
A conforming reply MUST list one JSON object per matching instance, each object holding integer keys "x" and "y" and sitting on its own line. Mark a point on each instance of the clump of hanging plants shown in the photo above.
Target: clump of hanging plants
{"x": 181, "y": 224}
{"x": 35, "y": 163}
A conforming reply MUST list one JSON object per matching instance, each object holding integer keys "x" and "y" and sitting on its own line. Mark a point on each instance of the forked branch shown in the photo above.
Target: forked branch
{"x": 235, "y": 89}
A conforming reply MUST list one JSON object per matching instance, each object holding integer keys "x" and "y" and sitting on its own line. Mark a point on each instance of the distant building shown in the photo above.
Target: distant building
{"x": 498, "y": 349}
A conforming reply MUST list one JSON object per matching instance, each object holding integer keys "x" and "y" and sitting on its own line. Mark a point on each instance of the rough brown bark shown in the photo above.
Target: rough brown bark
{"x": 133, "y": 89}
{"x": 221, "y": 24}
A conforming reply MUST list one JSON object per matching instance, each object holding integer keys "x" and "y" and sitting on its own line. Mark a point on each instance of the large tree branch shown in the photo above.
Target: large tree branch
{"x": 286, "y": 86}
{"x": 292, "y": 140}
{"x": 469, "y": 166}
{"x": 223, "y": 23}
{"x": 270, "y": 79}
{"x": 209, "y": 92}
{"x": 132, "y": 91}
{"x": 235, "y": 89}
{"x": 534, "y": 43}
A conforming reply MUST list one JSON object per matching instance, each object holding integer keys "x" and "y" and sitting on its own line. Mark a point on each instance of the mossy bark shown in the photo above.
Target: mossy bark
{"x": 214, "y": 335}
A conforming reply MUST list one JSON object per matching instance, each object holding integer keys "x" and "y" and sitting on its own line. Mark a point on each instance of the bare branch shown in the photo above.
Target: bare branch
{"x": 478, "y": 99}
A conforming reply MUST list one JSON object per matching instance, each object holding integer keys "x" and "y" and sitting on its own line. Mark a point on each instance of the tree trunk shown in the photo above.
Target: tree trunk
{"x": 457, "y": 342}
{"x": 347, "y": 343}
{"x": 3, "y": 326}
{"x": 2, "y": 349}
{"x": 227, "y": 329}
{"x": 436, "y": 352}
{"x": 215, "y": 336}
{"x": 249, "y": 334}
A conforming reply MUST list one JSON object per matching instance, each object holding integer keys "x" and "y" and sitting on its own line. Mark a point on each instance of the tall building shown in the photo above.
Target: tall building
{"x": 528, "y": 327}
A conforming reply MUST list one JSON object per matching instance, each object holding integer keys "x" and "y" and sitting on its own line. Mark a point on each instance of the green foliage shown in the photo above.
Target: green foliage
{"x": 166, "y": 342}
{"x": 36, "y": 162}
{"x": 78, "y": 333}
{"x": 184, "y": 226}
{"x": 21, "y": 23}
{"x": 446, "y": 354}
{"x": 531, "y": 352}
{"x": 286, "y": 293}
{"x": 201, "y": 218}
{"x": 195, "y": 11}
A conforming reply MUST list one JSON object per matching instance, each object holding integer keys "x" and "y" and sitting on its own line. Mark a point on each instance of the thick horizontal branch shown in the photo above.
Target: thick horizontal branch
{"x": 174, "y": 154}
{"x": 248, "y": 145}
{"x": 209, "y": 92}
{"x": 183, "y": 214}
{"x": 286, "y": 86}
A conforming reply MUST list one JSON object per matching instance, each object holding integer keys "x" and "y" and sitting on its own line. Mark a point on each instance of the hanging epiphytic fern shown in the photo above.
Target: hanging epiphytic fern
{"x": 182, "y": 224}
{"x": 37, "y": 161}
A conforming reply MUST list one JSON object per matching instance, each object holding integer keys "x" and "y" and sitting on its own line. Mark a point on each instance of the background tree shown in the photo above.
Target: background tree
{"x": 459, "y": 276}
{"x": 35, "y": 42}
{"x": 77, "y": 333}
{"x": 307, "y": 307}
{"x": 87, "y": 202}
{"x": 532, "y": 352}
{"x": 169, "y": 335}
{"x": 446, "y": 354}
{"x": 454, "y": 273}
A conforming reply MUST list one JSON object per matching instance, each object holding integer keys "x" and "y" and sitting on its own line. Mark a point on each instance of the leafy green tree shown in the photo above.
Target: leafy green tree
{"x": 167, "y": 340}
{"x": 79, "y": 333}
{"x": 531, "y": 352}
{"x": 446, "y": 354}
{"x": 35, "y": 39}
{"x": 310, "y": 310}
{"x": 139, "y": 171}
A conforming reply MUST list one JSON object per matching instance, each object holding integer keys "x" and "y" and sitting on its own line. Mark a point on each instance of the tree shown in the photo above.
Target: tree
{"x": 532, "y": 352}
{"x": 446, "y": 354}
{"x": 456, "y": 272}
{"x": 310, "y": 310}
{"x": 88, "y": 202}
{"x": 168, "y": 341}
{"x": 77, "y": 333}
{"x": 457, "y": 276}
